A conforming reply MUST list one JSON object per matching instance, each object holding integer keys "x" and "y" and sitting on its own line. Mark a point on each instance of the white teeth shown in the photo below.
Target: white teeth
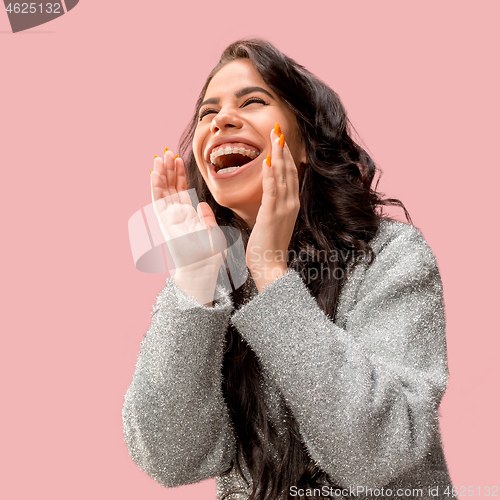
{"x": 229, "y": 150}
{"x": 228, "y": 169}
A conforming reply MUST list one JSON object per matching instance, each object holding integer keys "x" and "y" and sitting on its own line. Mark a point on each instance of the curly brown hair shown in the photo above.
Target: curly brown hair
{"x": 339, "y": 210}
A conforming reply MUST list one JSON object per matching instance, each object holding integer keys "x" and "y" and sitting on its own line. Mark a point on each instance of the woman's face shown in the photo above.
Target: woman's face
{"x": 239, "y": 111}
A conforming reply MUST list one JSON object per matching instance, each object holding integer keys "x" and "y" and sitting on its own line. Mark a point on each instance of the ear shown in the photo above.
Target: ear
{"x": 303, "y": 157}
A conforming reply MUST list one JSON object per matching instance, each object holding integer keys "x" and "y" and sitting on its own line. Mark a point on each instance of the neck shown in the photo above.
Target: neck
{"x": 248, "y": 217}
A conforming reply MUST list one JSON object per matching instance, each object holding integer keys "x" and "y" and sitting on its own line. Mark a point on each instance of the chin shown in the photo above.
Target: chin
{"x": 237, "y": 204}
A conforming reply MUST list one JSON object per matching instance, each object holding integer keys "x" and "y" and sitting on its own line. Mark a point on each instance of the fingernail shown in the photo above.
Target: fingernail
{"x": 268, "y": 160}
{"x": 277, "y": 129}
{"x": 150, "y": 172}
{"x": 176, "y": 156}
{"x": 282, "y": 140}
{"x": 156, "y": 156}
{"x": 165, "y": 150}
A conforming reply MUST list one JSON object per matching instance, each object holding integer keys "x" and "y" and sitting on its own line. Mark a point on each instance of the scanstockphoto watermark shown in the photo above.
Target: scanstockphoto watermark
{"x": 310, "y": 267}
{"x": 363, "y": 491}
{"x": 157, "y": 249}
{"x": 331, "y": 492}
{"x": 321, "y": 256}
{"x": 427, "y": 492}
{"x": 167, "y": 236}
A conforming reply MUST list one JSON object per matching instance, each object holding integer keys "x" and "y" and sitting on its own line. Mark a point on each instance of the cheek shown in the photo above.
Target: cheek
{"x": 197, "y": 143}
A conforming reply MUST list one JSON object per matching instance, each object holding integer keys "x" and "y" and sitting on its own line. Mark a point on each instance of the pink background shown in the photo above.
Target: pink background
{"x": 86, "y": 102}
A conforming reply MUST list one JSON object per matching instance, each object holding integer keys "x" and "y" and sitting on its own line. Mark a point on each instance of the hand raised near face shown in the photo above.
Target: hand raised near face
{"x": 268, "y": 244}
{"x": 195, "y": 241}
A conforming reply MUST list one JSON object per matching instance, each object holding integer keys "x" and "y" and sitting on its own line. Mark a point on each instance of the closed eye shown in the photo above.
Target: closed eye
{"x": 254, "y": 99}
{"x": 205, "y": 111}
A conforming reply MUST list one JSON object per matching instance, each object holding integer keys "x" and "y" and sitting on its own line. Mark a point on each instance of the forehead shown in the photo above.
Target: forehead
{"x": 234, "y": 75}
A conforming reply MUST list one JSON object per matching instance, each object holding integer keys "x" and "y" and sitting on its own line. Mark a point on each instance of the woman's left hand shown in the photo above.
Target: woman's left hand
{"x": 266, "y": 254}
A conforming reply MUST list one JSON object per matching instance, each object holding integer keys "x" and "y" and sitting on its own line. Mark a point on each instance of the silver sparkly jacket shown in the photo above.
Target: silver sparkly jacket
{"x": 364, "y": 389}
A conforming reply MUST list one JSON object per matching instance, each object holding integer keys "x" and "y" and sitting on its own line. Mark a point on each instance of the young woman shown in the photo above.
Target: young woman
{"x": 322, "y": 375}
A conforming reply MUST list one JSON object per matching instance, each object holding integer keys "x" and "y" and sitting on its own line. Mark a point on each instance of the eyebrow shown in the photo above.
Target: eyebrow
{"x": 240, "y": 93}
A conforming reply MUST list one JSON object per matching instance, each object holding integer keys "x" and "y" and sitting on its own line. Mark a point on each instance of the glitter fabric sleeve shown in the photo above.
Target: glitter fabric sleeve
{"x": 365, "y": 393}
{"x": 175, "y": 421}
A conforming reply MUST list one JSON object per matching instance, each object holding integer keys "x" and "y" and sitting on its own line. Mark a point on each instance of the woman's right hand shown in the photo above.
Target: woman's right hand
{"x": 195, "y": 241}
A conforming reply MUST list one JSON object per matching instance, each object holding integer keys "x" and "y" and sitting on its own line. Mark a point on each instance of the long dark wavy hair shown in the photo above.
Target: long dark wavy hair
{"x": 339, "y": 211}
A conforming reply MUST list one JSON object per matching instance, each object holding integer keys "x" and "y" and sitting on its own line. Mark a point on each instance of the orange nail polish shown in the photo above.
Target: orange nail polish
{"x": 282, "y": 140}
{"x": 165, "y": 150}
{"x": 277, "y": 129}
{"x": 150, "y": 172}
{"x": 156, "y": 156}
{"x": 268, "y": 160}
{"x": 176, "y": 156}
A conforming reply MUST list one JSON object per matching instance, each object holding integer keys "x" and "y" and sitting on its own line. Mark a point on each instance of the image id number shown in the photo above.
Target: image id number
{"x": 33, "y": 8}
{"x": 471, "y": 491}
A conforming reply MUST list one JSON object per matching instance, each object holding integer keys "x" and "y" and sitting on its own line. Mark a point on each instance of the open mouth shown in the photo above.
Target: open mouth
{"x": 229, "y": 157}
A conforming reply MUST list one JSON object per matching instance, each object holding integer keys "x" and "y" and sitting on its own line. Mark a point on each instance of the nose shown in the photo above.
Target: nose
{"x": 225, "y": 118}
